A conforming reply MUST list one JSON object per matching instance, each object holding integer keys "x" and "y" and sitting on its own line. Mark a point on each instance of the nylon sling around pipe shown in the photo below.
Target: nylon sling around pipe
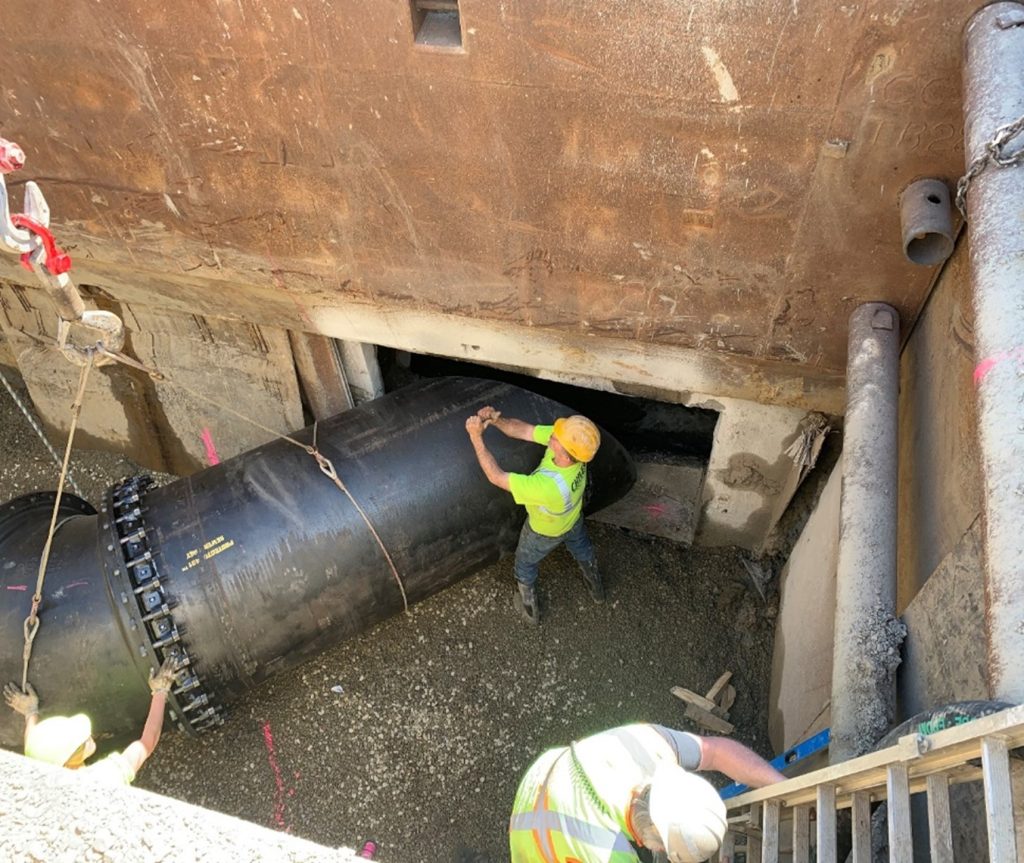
{"x": 322, "y": 461}
{"x": 31, "y": 625}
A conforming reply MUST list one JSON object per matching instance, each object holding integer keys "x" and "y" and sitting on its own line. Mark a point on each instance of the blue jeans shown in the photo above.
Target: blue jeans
{"x": 533, "y": 548}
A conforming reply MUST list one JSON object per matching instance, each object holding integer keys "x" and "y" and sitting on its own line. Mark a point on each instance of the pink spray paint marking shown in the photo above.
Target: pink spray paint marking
{"x": 989, "y": 363}
{"x": 280, "y": 792}
{"x": 656, "y": 510}
{"x": 17, "y": 587}
{"x": 211, "y": 451}
{"x": 76, "y": 584}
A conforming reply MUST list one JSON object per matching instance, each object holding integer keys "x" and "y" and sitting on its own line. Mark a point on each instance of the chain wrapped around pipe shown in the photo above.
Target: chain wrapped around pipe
{"x": 994, "y": 154}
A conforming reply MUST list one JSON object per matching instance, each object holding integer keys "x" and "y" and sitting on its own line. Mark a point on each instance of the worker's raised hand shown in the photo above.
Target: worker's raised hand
{"x": 163, "y": 679}
{"x": 488, "y": 415}
{"x": 475, "y": 426}
{"x": 25, "y": 703}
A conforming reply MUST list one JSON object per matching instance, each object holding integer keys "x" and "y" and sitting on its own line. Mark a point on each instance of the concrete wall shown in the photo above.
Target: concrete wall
{"x": 940, "y": 489}
{"x": 941, "y": 566}
{"x": 160, "y": 425}
{"x": 802, "y": 658}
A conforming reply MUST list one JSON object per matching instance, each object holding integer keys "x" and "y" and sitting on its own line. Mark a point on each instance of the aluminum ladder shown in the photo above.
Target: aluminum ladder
{"x": 917, "y": 764}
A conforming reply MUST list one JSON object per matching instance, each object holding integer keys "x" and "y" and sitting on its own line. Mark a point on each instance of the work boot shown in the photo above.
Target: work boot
{"x": 592, "y": 577}
{"x": 525, "y": 602}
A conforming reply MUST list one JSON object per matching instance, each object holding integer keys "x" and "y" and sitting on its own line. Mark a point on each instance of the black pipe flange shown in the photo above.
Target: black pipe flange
{"x": 189, "y": 705}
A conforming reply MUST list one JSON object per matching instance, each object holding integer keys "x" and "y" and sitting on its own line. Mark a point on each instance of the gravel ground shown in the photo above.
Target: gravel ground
{"x": 416, "y": 733}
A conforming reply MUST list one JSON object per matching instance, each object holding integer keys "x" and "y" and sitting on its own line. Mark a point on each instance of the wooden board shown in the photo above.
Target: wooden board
{"x": 718, "y": 686}
{"x": 693, "y": 698}
{"x": 708, "y": 720}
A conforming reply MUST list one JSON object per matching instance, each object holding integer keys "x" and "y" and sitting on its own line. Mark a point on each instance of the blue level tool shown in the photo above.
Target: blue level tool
{"x": 802, "y": 750}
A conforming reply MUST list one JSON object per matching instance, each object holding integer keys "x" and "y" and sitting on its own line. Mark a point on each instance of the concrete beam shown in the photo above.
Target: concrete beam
{"x": 631, "y": 366}
{"x": 754, "y": 470}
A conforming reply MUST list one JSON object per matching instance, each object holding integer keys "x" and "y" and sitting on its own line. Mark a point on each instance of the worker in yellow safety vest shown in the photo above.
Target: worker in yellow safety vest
{"x": 552, "y": 495}
{"x": 67, "y": 740}
{"x": 605, "y": 798}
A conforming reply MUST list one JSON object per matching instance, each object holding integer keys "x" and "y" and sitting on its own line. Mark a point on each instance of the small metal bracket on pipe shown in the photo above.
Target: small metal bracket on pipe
{"x": 926, "y": 222}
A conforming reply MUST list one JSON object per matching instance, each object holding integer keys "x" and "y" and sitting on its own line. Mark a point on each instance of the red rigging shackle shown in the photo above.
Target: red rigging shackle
{"x": 57, "y": 260}
{"x": 12, "y": 157}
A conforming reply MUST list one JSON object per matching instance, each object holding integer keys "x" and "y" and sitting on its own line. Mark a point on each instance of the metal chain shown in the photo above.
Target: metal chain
{"x": 31, "y": 625}
{"x": 994, "y": 154}
{"x": 326, "y": 467}
{"x": 32, "y": 422}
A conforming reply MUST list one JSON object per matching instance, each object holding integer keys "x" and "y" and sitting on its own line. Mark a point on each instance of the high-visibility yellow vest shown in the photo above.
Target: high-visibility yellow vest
{"x": 572, "y": 805}
{"x": 552, "y": 495}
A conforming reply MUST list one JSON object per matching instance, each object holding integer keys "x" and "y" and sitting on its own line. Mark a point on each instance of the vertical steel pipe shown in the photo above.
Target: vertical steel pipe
{"x": 867, "y": 635}
{"x": 994, "y": 97}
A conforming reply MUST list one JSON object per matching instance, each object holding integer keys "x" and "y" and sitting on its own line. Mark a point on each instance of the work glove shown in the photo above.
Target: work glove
{"x": 643, "y": 826}
{"x": 163, "y": 679}
{"x": 25, "y": 703}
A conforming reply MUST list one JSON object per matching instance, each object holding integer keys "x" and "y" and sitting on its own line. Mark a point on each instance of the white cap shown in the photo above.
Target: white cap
{"x": 688, "y": 814}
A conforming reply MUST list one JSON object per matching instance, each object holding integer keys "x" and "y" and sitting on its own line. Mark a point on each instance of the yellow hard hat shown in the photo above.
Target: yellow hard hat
{"x": 56, "y": 739}
{"x": 579, "y": 436}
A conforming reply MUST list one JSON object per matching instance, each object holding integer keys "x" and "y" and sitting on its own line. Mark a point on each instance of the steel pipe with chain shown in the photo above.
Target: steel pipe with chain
{"x": 993, "y": 153}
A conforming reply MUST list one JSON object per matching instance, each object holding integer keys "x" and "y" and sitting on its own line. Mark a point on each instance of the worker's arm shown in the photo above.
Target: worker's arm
{"x": 31, "y": 721}
{"x": 488, "y": 464}
{"x": 737, "y": 762}
{"x": 26, "y": 703}
{"x": 508, "y": 426}
{"x": 160, "y": 684}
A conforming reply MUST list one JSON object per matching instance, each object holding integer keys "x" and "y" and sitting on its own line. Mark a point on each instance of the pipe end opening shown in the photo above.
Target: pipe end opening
{"x": 928, "y": 249}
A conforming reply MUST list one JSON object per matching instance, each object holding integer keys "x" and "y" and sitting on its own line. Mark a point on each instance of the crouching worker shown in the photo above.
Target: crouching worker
{"x": 552, "y": 495}
{"x": 67, "y": 740}
{"x": 608, "y": 796}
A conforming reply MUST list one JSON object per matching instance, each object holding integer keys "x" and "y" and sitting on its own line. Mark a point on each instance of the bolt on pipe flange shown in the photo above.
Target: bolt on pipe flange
{"x": 926, "y": 222}
{"x": 160, "y": 632}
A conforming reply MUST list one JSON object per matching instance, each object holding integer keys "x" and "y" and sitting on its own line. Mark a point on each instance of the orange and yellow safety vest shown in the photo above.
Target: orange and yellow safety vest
{"x": 573, "y": 804}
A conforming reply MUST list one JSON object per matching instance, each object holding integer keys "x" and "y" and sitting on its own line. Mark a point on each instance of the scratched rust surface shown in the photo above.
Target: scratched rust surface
{"x": 718, "y": 176}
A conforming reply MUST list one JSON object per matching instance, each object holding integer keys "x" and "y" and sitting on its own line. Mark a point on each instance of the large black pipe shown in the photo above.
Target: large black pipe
{"x": 253, "y": 566}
